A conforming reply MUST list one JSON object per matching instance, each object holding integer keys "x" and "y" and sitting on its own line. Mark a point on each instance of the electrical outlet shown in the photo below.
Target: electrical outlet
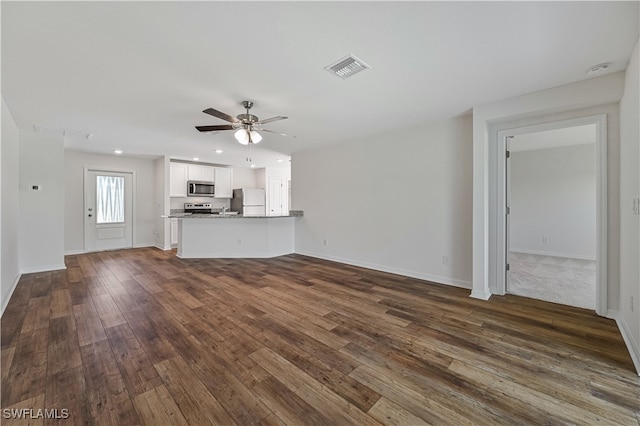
{"x": 545, "y": 240}
{"x": 325, "y": 242}
{"x": 445, "y": 260}
{"x": 631, "y": 303}
{"x": 239, "y": 241}
{"x": 636, "y": 206}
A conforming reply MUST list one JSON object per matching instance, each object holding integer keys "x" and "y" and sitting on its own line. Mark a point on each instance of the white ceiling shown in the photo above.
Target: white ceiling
{"x": 138, "y": 74}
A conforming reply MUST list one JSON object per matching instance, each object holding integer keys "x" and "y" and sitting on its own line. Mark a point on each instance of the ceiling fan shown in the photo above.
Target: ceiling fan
{"x": 245, "y": 125}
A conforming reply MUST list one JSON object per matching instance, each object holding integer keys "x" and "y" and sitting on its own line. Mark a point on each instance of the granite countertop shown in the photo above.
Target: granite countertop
{"x": 182, "y": 215}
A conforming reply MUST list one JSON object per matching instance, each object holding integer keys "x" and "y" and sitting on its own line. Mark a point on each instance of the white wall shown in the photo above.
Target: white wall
{"x": 145, "y": 205}
{"x": 10, "y": 266}
{"x": 398, "y": 202}
{"x": 244, "y": 177}
{"x": 553, "y": 201}
{"x": 261, "y": 178}
{"x": 162, "y": 225}
{"x": 629, "y": 311}
{"x": 41, "y": 217}
{"x": 588, "y": 97}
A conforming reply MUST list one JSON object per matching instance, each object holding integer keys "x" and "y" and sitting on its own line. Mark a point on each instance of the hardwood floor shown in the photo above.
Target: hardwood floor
{"x": 142, "y": 337}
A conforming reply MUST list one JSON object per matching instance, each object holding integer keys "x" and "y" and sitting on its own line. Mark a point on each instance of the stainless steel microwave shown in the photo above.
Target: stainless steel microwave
{"x": 200, "y": 189}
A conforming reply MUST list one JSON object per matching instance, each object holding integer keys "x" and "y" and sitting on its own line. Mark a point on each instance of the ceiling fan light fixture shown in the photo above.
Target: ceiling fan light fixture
{"x": 255, "y": 137}
{"x": 242, "y": 136}
{"x": 243, "y": 125}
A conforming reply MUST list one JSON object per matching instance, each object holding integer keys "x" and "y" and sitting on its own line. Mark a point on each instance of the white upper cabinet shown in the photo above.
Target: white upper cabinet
{"x": 201, "y": 173}
{"x": 224, "y": 183}
{"x": 178, "y": 173}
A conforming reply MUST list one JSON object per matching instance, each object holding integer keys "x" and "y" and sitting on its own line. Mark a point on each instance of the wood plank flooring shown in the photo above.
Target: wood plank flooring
{"x": 142, "y": 337}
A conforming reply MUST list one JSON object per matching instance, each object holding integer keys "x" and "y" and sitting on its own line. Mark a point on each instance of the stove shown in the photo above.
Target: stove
{"x": 197, "y": 208}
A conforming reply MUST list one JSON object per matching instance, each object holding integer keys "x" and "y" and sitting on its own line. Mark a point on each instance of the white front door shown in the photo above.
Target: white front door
{"x": 108, "y": 210}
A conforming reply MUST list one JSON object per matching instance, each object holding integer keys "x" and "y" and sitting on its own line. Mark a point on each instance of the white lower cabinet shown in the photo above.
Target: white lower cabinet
{"x": 174, "y": 232}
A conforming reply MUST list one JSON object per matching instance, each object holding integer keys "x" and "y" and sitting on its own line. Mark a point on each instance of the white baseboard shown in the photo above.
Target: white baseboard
{"x": 142, "y": 245}
{"x": 383, "y": 268}
{"x": 73, "y": 252}
{"x": 13, "y": 288}
{"x": 248, "y": 255}
{"x": 482, "y": 295}
{"x": 45, "y": 268}
{"x": 160, "y": 247}
{"x": 632, "y": 345}
{"x": 554, "y": 254}
{"x": 76, "y": 252}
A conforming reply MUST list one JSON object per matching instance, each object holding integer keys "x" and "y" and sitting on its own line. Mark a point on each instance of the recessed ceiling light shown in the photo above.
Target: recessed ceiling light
{"x": 219, "y": 151}
{"x": 117, "y": 151}
{"x": 598, "y": 69}
{"x": 280, "y": 160}
{"x": 253, "y": 165}
{"x": 195, "y": 158}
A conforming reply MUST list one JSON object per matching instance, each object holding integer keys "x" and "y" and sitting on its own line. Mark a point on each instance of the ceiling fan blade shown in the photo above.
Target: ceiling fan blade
{"x": 269, "y": 120}
{"x": 277, "y": 133}
{"x": 212, "y": 128}
{"x": 222, "y": 115}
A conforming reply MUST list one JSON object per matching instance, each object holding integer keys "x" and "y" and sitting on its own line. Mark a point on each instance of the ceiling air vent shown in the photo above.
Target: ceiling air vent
{"x": 347, "y": 66}
{"x": 62, "y": 132}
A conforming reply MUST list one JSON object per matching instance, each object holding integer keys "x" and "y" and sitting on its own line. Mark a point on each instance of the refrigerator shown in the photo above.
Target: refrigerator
{"x": 249, "y": 201}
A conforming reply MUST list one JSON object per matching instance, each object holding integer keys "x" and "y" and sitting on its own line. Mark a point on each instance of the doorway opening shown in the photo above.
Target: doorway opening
{"x": 551, "y": 215}
{"x": 108, "y": 210}
{"x": 499, "y": 241}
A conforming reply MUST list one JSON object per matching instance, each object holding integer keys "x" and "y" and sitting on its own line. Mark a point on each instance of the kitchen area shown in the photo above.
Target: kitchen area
{"x": 214, "y": 215}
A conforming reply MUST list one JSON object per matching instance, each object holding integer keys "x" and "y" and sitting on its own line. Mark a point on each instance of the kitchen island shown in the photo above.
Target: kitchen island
{"x": 233, "y": 236}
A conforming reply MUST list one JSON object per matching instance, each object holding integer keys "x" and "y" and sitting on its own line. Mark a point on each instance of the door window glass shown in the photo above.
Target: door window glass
{"x": 109, "y": 199}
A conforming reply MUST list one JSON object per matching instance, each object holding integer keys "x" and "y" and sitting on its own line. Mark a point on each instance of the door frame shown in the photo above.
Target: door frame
{"x": 133, "y": 201}
{"x": 600, "y": 121}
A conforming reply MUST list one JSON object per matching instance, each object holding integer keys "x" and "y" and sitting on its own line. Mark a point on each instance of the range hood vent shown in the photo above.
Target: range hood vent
{"x": 347, "y": 66}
